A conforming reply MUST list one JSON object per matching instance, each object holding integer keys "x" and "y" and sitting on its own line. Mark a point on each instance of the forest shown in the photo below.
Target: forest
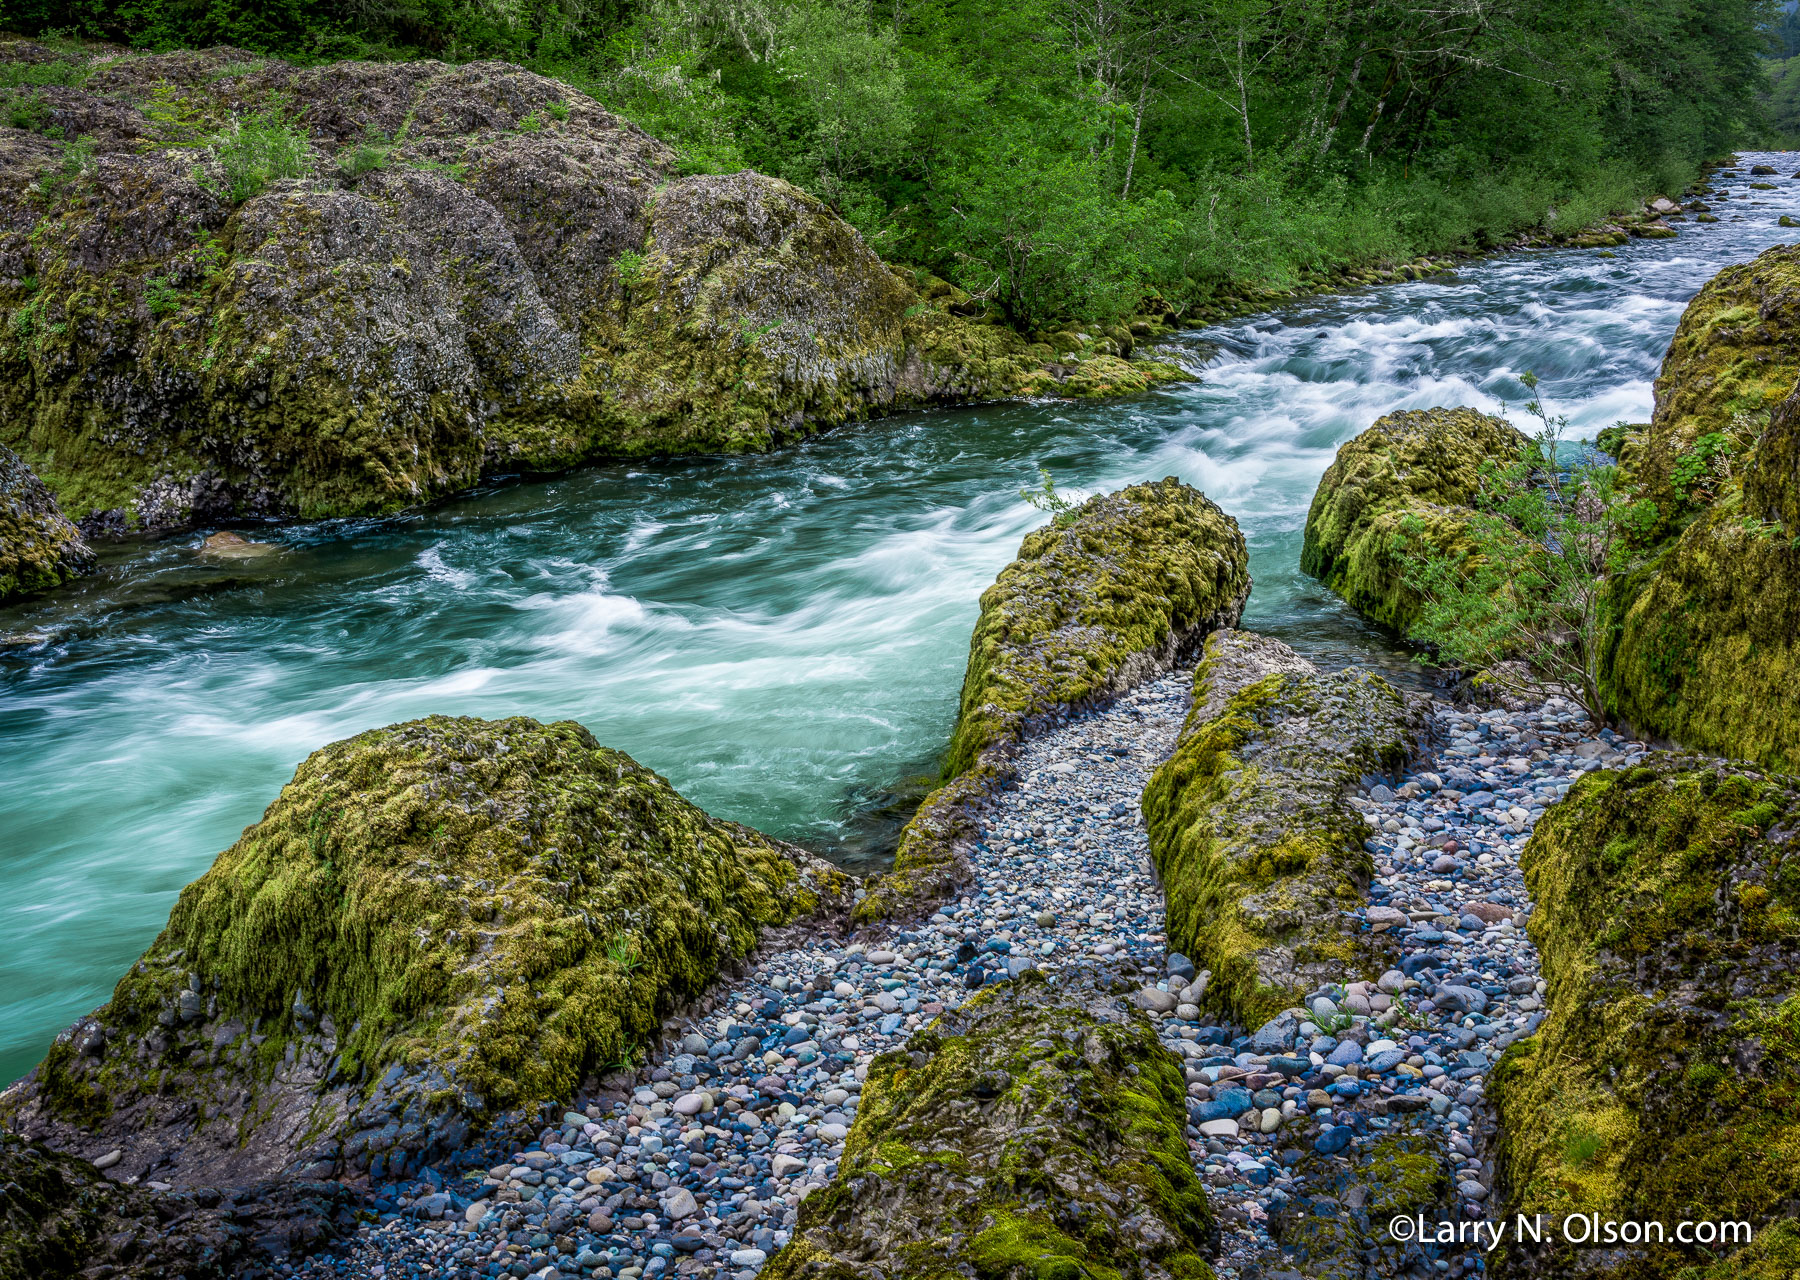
{"x": 1069, "y": 158}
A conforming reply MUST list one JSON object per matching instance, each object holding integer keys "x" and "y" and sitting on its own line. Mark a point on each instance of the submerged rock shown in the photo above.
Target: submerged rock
{"x": 1114, "y": 596}
{"x": 39, "y": 547}
{"x": 1338, "y": 1229}
{"x": 1037, "y": 1130}
{"x": 436, "y": 927}
{"x": 1664, "y": 1082}
{"x": 1260, "y": 853}
{"x": 227, "y": 545}
{"x": 1424, "y": 464}
{"x": 60, "y": 1216}
{"x": 465, "y": 271}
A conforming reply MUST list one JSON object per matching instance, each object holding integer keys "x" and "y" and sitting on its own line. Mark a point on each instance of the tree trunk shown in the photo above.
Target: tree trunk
{"x": 1137, "y": 125}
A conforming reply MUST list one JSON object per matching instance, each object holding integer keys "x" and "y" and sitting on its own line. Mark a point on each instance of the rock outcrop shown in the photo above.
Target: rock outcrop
{"x": 1705, "y": 646}
{"x": 60, "y": 1216}
{"x": 39, "y": 547}
{"x": 239, "y": 288}
{"x": 1664, "y": 1082}
{"x": 436, "y": 927}
{"x": 1423, "y": 465}
{"x": 1035, "y": 1131}
{"x": 1260, "y": 854}
{"x": 1120, "y": 591}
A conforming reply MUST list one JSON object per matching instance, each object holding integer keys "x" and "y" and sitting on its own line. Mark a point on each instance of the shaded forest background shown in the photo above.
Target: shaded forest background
{"x": 1069, "y": 158}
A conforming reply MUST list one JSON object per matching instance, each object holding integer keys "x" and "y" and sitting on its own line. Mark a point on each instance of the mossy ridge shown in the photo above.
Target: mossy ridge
{"x": 1088, "y": 608}
{"x": 492, "y": 908}
{"x": 1035, "y": 1133}
{"x": 360, "y": 340}
{"x": 1664, "y": 1082}
{"x": 1418, "y": 464}
{"x": 1260, "y": 855}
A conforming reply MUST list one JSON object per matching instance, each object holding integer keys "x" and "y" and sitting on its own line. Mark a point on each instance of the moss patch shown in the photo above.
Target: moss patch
{"x": 1424, "y": 464}
{"x": 1034, "y": 1134}
{"x": 1664, "y": 1083}
{"x": 1260, "y": 855}
{"x": 1087, "y": 609}
{"x": 39, "y": 548}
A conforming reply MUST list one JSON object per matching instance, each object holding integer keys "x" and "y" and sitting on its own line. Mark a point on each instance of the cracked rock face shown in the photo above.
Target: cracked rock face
{"x": 1260, "y": 852}
{"x": 1037, "y": 1130}
{"x": 435, "y": 928}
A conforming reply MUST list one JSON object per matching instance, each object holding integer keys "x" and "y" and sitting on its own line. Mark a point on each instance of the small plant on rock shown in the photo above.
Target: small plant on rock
{"x": 256, "y": 150}
{"x": 365, "y": 157}
{"x": 1550, "y": 532}
{"x": 1063, "y": 511}
{"x": 623, "y": 951}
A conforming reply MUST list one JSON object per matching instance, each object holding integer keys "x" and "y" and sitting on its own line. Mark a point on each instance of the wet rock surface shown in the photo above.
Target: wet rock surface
{"x": 39, "y": 547}
{"x": 1419, "y": 466}
{"x": 436, "y": 929}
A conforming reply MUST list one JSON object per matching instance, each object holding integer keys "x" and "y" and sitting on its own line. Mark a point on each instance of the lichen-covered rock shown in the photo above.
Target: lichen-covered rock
{"x": 435, "y": 927}
{"x": 61, "y": 1217}
{"x": 39, "y": 548}
{"x": 1664, "y": 1082}
{"x": 1091, "y": 606}
{"x": 1424, "y": 464}
{"x": 1259, "y": 850}
{"x": 476, "y": 270}
{"x": 1707, "y": 646}
{"x": 1735, "y": 352}
{"x": 1035, "y": 1132}
{"x": 1337, "y": 1228}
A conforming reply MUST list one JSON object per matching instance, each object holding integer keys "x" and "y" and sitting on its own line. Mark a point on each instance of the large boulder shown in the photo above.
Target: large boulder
{"x": 1707, "y": 646}
{"x": 1260, "y": 854}
{"x": 39, "y": 547}
{"x": 461, "y": 271}
{"x": 1664, "y": 1082}
{"x": 1117, "y": 593}
{"x": 60, "y": 1216}
{"x": 435, "y": 929}
{"x": 1036, "y": 1131}
{"x": 1417, "y": 464}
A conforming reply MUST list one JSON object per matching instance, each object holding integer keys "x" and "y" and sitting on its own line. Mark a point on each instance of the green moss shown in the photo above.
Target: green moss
{"x": 1260, "y": 856}
{"x": 1086, "y": 609}
{"x": 1336, "y": 1228}
{"x": 454, "y": 892}
{"x": 1416, "y": 464}
{"x": 1664, "y": 1082}
{"x": 1002, "y": 1145}
{"x": 39, "y": 548}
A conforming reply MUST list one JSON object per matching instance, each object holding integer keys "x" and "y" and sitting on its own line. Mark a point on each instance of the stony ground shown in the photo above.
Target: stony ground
{"x": 702, "y": 1170}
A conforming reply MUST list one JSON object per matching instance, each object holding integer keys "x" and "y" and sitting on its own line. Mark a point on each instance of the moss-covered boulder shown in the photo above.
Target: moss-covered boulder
{"x": 1035, "y": 1132}
{"x": 61, "y": 1217}
{"x": 1706, "y": 649}
{"x": 1259, "y": 851}
{"x": 1336, "y": 1228}
{"x": 436, "y": 927}
{"x": 39, "y": 547}
{"x": 1735, "y": 356}
{"x": 1422, "y": 464}
{"x": 1115, "y": 593}
{"x": 1664, "y": 1082}
{"x": 457, "y": 271}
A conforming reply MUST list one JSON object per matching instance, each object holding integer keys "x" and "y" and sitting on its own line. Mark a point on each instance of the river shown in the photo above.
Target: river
{"x": 783, "y": 637}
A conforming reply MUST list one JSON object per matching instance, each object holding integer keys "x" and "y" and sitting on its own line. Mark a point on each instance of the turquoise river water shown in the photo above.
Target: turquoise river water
{"x": 783, "y": 637}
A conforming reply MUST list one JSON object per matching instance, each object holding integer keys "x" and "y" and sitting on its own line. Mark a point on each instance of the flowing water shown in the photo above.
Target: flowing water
{"x": 783, "y": 637}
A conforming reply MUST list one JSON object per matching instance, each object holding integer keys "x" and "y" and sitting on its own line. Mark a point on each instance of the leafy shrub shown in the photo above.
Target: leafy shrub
{"x": 28, "y": 111}
{"x": 257, "y": 150}
{"x": 365, "y": 157}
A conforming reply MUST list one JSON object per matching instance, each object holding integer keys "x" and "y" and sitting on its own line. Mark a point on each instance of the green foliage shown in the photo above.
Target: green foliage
{"x": 365, "y": 157}
{"x": 1548, "y": 535}
{"x": 1063, "y": 511}
{"x": 256, "y": 150}
{"x": 630, "y": 265}
{"x": 162, "y": 296}
{"x": 76, "y": 162}
{"x": 27, "y": 111}
{"x": 63, "y": 71}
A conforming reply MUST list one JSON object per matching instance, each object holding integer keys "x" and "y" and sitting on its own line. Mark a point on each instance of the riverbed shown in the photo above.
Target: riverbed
{"x": 783, "y": 636}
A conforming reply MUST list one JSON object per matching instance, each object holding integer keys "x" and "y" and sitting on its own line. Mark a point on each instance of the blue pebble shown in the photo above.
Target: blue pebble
{"x": 1333, "y": 1140}
{"x": 1346, "y": 1054}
